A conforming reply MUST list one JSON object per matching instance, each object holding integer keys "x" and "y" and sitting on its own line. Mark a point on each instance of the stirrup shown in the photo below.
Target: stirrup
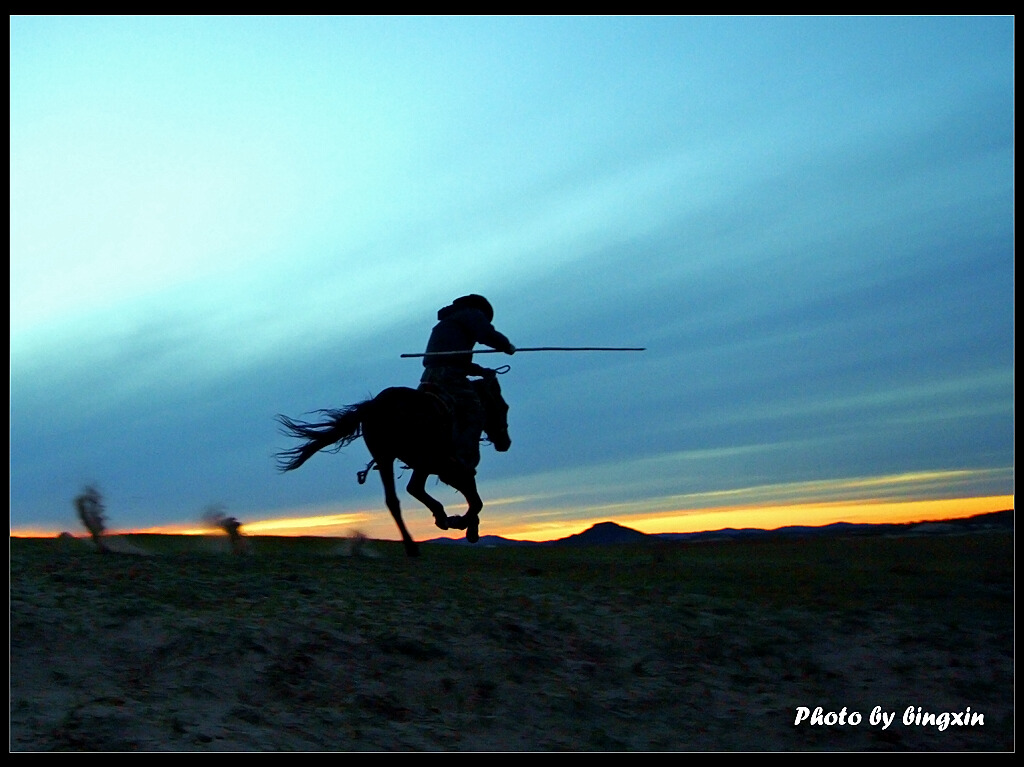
{"x": 361, "y": 475}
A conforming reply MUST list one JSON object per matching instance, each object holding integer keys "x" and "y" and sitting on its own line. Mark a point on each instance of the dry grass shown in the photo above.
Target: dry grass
{"x": 652, "y": 647}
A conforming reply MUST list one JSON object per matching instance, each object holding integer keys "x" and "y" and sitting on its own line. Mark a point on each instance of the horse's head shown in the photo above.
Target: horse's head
{"x": 495, "y": 411}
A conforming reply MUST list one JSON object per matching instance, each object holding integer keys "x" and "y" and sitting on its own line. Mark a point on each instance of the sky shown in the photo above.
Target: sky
{"x": 807, "y": 222}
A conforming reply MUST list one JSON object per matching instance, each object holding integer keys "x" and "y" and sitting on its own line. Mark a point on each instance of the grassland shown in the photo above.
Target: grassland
{"x": 181, "y": 646}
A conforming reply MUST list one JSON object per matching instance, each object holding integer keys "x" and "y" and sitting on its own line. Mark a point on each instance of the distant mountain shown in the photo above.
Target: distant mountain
{"x": 605, "y": 533}
{"x": 485, "y": 540}
{"x": 997, "y": 520}
{"x": 602, "y": 533}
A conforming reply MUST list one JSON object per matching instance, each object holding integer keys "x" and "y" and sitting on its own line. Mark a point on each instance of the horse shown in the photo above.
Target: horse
{"x": 413, "y": 426}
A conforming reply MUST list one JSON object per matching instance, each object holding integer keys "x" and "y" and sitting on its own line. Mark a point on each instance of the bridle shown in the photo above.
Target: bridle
{"x": 495, "y": 407}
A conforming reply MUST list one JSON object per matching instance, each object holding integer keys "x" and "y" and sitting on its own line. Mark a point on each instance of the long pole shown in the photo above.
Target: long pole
{"x": 537, "y": 349}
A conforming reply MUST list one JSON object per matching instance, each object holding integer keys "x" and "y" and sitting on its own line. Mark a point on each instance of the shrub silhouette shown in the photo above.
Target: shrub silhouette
{"x": 90, "y": 508}
{"x": 215, "y": 517}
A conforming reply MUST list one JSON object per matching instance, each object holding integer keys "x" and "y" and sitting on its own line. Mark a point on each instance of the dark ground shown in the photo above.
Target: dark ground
{"x": 647, "y": 647}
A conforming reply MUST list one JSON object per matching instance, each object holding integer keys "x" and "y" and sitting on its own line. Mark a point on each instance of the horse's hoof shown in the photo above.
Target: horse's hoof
{"x": 473, "y": 532}
{"x": 442, "y": 522}
{"x": 456, "y": 523}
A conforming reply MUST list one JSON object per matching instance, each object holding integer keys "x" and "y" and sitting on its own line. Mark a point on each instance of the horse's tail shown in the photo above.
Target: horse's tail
{"x": 341, "y": 428}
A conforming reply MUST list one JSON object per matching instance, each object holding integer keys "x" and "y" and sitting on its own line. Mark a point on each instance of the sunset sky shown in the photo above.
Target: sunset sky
{"x": 807, "y": 221}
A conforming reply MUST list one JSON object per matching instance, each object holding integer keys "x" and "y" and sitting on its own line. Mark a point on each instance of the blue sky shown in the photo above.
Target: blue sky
{"x": 807, "y": 221}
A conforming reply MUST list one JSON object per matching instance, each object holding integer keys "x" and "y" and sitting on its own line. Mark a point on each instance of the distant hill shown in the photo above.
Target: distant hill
{"x": 603, "y": 533}
{"x": 485, "y": 540}
{"x": 997, "y": 520}
{"x": 600, "y": 534}
{"x": 606, "y": 533}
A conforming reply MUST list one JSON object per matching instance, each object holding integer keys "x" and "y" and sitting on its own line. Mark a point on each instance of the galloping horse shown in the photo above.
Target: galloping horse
{"x": 413, "y": 426}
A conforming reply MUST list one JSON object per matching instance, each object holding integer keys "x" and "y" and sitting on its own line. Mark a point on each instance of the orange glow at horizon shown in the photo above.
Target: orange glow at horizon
{"x": 327, "y": 525}
{"x": 768, "y": 517}
{"x": 775, "y": 516}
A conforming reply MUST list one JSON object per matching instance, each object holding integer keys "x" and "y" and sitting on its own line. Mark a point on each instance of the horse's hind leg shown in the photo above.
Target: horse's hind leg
{"x": 387, "y": 477}
{"x": 417, "y": 488}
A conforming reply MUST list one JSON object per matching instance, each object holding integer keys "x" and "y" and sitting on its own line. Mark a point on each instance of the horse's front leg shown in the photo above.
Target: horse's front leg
{"x": 417, "y": 488}
{"x": 471, "y": 521}
{"x": 387, "y": 477}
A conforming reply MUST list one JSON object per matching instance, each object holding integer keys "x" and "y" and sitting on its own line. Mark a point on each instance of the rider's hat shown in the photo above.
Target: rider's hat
{"x": 474, "y": 301}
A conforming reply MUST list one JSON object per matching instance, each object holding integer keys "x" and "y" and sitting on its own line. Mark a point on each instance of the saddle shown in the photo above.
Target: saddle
{"x": 445, "y": 405}
{"x": 443, "y": 399}
{"x": 448, "y": 407}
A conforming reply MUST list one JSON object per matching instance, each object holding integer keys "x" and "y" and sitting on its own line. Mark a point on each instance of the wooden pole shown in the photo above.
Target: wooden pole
{"x": 536, "y": 349}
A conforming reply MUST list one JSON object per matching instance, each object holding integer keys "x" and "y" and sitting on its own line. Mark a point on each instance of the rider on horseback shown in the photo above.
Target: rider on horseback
{"x": 463, "y": 323}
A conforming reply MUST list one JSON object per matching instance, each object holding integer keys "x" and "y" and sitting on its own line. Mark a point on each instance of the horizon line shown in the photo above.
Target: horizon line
{"x": 765, "y": 518}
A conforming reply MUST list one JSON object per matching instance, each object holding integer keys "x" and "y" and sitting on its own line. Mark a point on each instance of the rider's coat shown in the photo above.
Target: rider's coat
{"x": 459, "y": 328}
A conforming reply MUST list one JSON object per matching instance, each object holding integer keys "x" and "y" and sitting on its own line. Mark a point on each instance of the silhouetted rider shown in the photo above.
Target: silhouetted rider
{"x": 462, "y": 324}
